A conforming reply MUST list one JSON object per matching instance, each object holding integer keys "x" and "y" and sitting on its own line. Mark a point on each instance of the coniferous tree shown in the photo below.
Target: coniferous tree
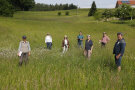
{"x": 93, "y": 9}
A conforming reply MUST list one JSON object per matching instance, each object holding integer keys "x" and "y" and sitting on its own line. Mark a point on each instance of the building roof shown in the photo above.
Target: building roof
{"x": 130, "y": 2}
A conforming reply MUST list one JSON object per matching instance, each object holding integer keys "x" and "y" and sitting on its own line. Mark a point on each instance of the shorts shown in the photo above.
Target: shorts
{"x": 103, "y": 44}
{"x": 118, "y": 61}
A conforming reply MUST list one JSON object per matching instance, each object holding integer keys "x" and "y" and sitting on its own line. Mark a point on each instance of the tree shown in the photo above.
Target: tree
{"x": 25, "y": 5}
{"x": 93, "y": 9}
{"x": 6, "y": 9}
{"x": 124, "y": 12}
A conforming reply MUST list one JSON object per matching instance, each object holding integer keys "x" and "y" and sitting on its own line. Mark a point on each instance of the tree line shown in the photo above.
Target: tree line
{"x": 8, "y": 7}
{"x": 46, "y": 7}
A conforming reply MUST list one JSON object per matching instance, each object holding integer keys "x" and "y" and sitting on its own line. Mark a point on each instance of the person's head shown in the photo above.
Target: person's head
{"x": 119, "y": 35}
{"x": 88, "y": 37}
{"x": 48, "y": 34}
{"x": 80, "y": 33}
{"x": 24, "y": 38}
{"x": 65, "y": 37}
{"x": 104, "y": 34}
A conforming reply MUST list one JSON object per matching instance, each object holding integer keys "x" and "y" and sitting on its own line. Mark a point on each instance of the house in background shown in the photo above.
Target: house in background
{"x": 129, "y": 2}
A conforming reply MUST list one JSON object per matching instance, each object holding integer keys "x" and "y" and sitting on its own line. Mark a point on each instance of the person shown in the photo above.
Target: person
{"x": 80, "y": 40}
{"x": 88, "y": 47}
{"x": 105, "y": 40}
{"x": 48, "y": 41}
{"x": 119, "y": 49}
{"x": 65, "y": 44}
{"x": 24, "y": 51}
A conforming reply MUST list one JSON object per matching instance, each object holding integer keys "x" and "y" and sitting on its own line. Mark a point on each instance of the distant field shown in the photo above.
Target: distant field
{"x": 48, "y": 70}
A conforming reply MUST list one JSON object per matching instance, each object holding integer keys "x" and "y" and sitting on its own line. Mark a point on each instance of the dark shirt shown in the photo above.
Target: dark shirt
{"x": 88, "y": 44}
{"x": 119, "y": 47}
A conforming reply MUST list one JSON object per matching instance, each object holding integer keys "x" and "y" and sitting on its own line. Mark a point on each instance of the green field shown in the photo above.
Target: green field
{"x": 49, "y": 70}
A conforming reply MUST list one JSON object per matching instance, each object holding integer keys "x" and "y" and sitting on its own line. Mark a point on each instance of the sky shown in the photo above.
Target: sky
{"x": 82, "y": 3}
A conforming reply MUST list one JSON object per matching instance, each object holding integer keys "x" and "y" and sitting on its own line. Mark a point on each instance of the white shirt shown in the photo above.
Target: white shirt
{"x": 48, "y": 39}
{"x": 66, "y": 42}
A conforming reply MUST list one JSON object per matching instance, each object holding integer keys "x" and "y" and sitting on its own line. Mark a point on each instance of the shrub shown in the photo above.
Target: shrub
{"x": 107, "y": 14}
{"x": 59, "y": 13}
{"x": 67, "y": 13}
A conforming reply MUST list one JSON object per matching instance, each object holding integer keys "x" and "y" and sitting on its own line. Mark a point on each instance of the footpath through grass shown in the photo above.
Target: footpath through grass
{"x": 49, "y": 70}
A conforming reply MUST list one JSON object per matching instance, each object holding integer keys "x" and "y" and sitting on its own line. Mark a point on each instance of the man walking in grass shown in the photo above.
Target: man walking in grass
{"x": 80, "y": 40}
{"x": 88, "y": 47}
{"x": 24, "y": 51}
{"x": 119, "y": 49}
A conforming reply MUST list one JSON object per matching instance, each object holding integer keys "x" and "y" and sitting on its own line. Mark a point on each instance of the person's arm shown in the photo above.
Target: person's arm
{"x": 51, "y": 39}
{"x": 108, "y": 39}
{"x": 68, "y": 44}
{"x": 29, "y": 48}
{"x": 92, "y": 47}
{"x": 20, "y": 45}
{"x": 122, "y": 49}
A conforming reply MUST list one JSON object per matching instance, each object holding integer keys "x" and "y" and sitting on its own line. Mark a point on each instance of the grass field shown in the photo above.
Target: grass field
{"x": 48, "y": 70}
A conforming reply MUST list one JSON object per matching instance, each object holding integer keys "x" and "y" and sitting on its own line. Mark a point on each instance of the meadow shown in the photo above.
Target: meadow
{"x": 50, "y": 70}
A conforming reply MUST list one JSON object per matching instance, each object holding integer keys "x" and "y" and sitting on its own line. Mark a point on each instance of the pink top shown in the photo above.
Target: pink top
{"x": 105, "y": 39}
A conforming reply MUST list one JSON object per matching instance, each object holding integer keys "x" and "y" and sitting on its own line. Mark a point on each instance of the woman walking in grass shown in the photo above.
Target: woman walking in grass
{"x": 105, "y": 40}
{"x": 48, "y": 41}
{"x": 88, "y": 47}
{"x": 24, "y": 51}
{"x": 65, "y": 44}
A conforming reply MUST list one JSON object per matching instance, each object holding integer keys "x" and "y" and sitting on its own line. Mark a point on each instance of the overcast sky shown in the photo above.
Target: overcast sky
{"x": 82, "y": 3}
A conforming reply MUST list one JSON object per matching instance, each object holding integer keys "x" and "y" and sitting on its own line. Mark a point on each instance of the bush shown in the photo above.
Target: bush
{"x": 107, "y": 14}
{"x": 59, "y": 13}
{"x": 67, "y": 13}
{"x": 98, "y": 15}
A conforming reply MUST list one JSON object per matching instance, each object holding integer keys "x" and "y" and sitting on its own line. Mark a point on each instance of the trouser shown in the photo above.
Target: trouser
{"x": 49, "y": 45}
{"x": 87, "y": 53}
{"x": 80, "y": 44}
{"x": 118, "y": 61}
{"x": 23, "y": 57}
{"x": 65, "y": 48}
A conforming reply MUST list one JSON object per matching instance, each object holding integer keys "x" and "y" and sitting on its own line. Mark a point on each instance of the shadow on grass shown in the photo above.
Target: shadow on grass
{"x": 110, "y": 64}
{"x": 128, "y": 23}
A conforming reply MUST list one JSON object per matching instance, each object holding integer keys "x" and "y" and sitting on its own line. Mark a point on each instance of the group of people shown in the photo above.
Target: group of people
{"x": 119, "y": 47}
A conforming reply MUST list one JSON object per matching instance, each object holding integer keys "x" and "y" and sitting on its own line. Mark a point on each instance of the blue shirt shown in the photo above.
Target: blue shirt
{"x": 119, "y": 47}
{"x": 80, "y": 37}
{"x": 88, "y": 44}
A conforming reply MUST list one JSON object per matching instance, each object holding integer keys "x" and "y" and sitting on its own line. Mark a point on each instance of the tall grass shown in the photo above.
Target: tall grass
{"x": 50, "y": 70}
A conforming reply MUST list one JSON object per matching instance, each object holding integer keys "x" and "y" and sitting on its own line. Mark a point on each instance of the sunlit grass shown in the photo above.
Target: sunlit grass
{"x": 50, "y": 69}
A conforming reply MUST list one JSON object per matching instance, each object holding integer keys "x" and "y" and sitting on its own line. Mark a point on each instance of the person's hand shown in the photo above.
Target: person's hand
{"x": 17, "y": 54}
{"x": 118, "y": 56}
{"x": 29, "y": 53}
{"x": 91, "y": 51}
